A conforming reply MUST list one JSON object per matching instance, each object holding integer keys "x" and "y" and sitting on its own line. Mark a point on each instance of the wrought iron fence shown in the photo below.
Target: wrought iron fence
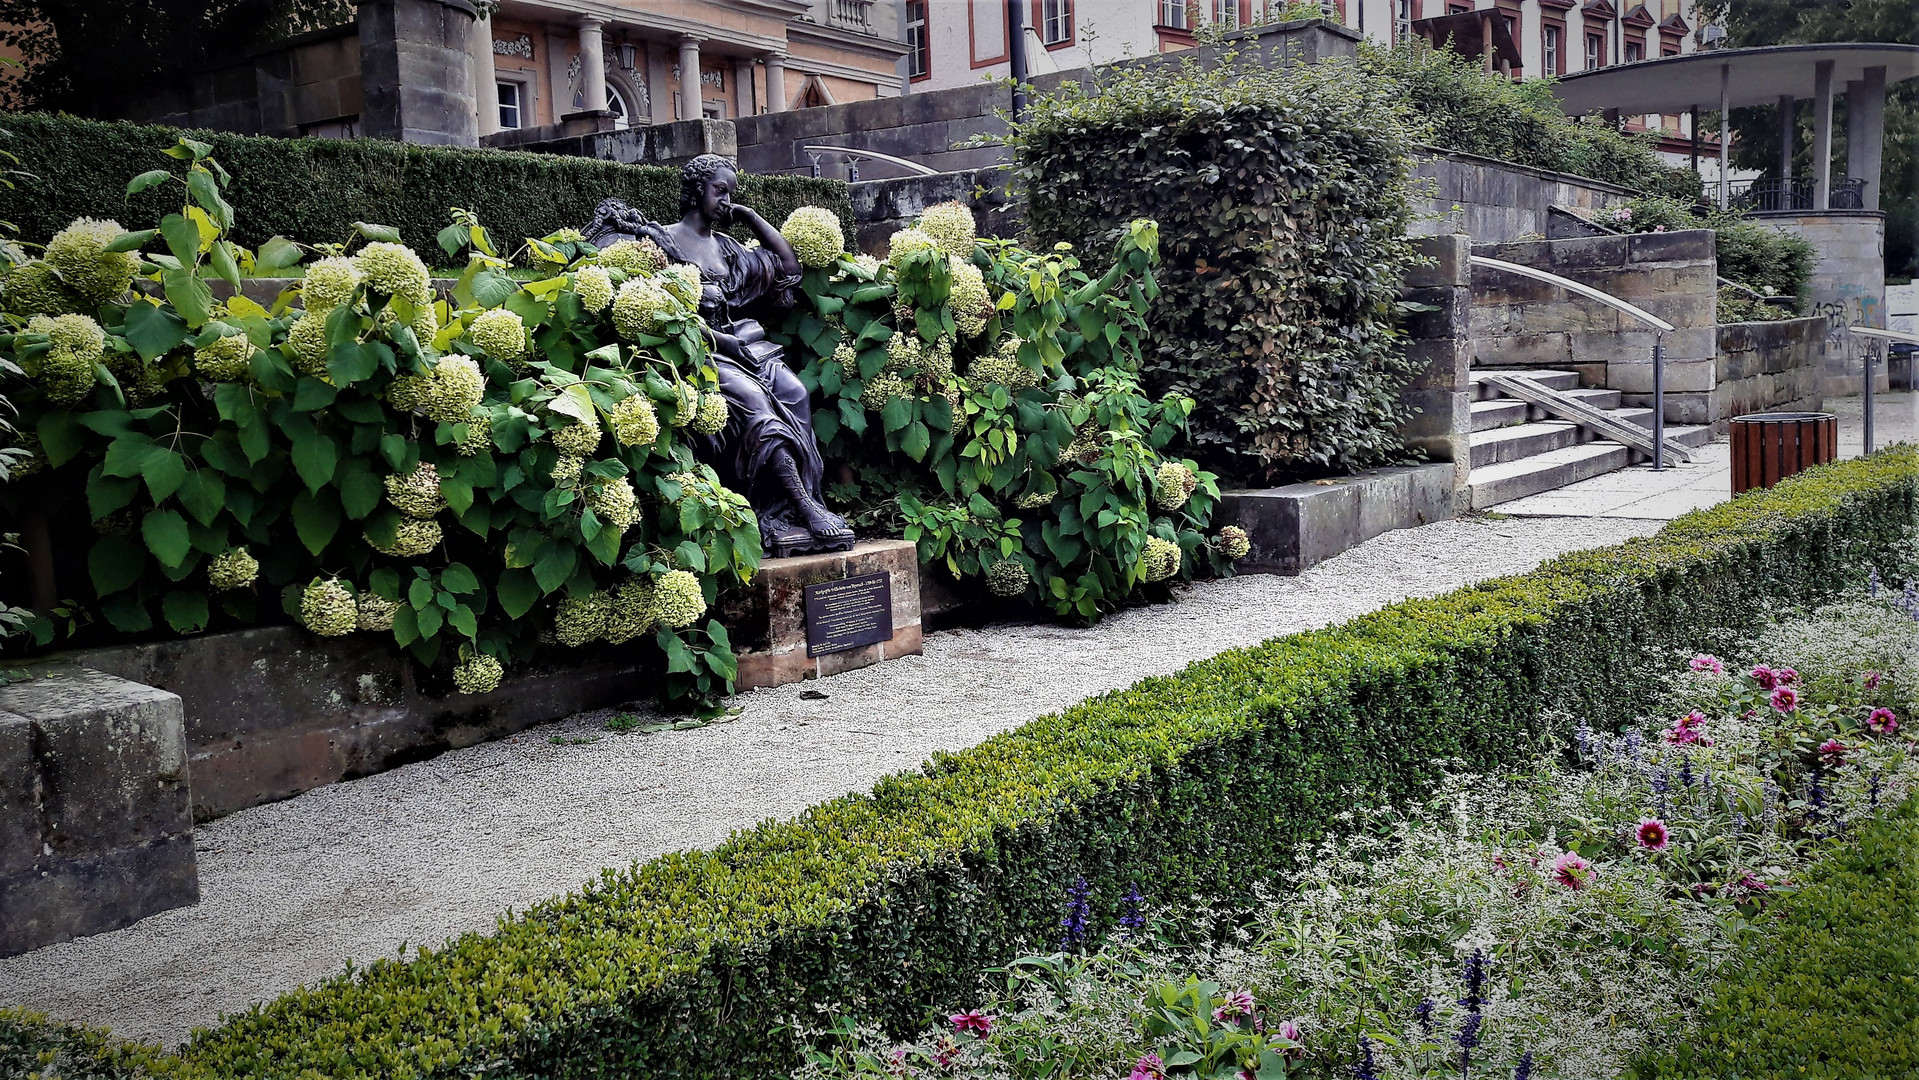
{"x": 1771, "y": 195}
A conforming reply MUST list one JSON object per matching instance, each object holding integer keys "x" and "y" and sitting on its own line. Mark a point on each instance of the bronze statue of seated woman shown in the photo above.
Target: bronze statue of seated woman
{"x": 767, "y": 450}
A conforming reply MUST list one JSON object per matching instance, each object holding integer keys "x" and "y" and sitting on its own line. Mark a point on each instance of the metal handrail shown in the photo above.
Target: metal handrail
{"x": 854, "y": 154}
{"x": 1884, "y": 335}
{"x": 1614, "y": 302}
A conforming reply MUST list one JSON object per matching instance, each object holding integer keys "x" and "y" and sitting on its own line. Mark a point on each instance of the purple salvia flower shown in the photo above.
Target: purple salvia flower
{"x": 1132, "y": 914}
{"x": 1525, "y": 1070}
{"x": 1367, "y": 1069}
{"x": 1078, "y": 907}
{"x": 1424, "y": 1014}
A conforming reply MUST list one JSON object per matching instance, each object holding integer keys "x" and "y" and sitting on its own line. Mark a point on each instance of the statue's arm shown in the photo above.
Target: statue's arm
{"x": 770, "y": 239}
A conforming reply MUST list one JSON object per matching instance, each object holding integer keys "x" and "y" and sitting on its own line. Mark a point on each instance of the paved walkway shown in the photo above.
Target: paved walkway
{"x": 292, "y": 891}
{"x": 1639, "y": 492}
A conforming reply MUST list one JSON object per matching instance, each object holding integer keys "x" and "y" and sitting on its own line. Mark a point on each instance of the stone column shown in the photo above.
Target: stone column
{"x": 486, "y": 87}
{"x": 658, "y": 71}
{"x": 743, "y": 103}
{"x": 1822, "y": 136}
{"x": 415, "y": 75}
{"x": 1866, "y": 132}
{"x": 1788, "y": 132}
{"x": 775, "y": 82}
{"x": 690, "y": 79}
{"x": 1440, "y": 342}
{"x": 592, "y": 64}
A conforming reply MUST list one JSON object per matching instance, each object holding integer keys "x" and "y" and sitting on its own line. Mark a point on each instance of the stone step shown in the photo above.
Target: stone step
{"x": 1556, "y": 380}
{"x": 1524, "y": 440}
{"x": 1498, "y": 413}
{"x": 1511, "y": 480}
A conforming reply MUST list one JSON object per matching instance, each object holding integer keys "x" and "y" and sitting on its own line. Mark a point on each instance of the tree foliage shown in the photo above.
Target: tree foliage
{"x": 92, "y": 56}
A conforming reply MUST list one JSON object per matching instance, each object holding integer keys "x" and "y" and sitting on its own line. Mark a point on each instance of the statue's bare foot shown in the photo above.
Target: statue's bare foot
{"x": 823, "y": 523}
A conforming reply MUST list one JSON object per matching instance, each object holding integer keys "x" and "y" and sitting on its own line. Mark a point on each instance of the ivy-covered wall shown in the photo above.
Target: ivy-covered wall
{"x": 313, "y": 190}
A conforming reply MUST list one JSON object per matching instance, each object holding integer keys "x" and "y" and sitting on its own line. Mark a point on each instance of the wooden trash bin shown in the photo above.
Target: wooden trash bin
{"x": 1768, "y": 447}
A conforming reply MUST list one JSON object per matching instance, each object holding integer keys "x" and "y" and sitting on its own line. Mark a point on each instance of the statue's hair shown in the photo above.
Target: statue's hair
{"x": 697, "y": 172}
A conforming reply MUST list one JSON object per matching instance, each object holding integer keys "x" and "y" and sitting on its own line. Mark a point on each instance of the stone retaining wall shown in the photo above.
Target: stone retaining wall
{"x": 1498, "y": 202}
{"x": 1523, "y": 323}
{"x": 1848, "y": 288}
{"x": 1772, "y": 366}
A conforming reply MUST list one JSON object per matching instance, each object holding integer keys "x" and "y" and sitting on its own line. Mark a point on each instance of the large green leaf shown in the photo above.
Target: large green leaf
{"x": 518, "y": 592}
{"x": 182, "y": 237}
{"x": 360, "y": 489}
{"x": 165, "y": 532}
{"x": 316, "y": 517}
{"x": 185, "y": 611}
{"x": 164, "y": 471}
{"x": 203, "y": 493}
{"x": 315, "y": 455}
{"x": 351, "y": 363}
{"x": 115, "y": 563}
{"x": 153, "y": 331}
{"x": 896, "y": 414}
{"x": 555, "y": 566}
{"x": 105, "y": 494}
{"x": 61, "y": 436}
{"x": 277, "y": 253}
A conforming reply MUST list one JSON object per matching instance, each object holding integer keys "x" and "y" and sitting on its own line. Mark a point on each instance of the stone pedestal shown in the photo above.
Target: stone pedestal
{"x": 1299, "y": 526}
{"x": 416, "y": 81}
{"x": 768, "y": 618}
{"x": 96, "y": 826}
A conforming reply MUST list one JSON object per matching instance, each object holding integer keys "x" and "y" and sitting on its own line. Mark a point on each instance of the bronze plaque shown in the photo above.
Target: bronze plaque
{"x": 848, "y": 613}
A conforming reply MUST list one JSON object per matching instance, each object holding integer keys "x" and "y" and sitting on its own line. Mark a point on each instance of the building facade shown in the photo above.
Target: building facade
{"x": 958, "y": 42}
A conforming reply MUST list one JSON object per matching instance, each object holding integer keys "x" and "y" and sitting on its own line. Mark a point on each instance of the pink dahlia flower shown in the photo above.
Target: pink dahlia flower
{"x": 1882, "y": 722}
{"x": 1572, "y": 871}
{"x": 1785, "y": 699}
{"x": 1652, "y": 834}
{"x": 1238, "y": 1003}
{"x": 1832, "y": 752}
{"x": 1708, "y": 662}
{"x": 1872, "y": 680}
{"x": 1149, "y": 1067}
{"x": 972, "y": 1021}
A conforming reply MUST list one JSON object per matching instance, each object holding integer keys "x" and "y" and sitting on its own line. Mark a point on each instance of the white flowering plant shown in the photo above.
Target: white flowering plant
{"x": 989, "y": 403}
{"x": 1560, "y": 921}
{"x": 376, "y": 451}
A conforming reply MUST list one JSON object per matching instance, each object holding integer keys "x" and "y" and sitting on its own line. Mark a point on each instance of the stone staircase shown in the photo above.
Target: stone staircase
{"x": 1520, "y": 450}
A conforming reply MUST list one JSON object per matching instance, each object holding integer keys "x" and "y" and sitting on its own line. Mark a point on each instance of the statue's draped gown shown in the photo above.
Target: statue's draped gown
{"x": 768, "y": 410}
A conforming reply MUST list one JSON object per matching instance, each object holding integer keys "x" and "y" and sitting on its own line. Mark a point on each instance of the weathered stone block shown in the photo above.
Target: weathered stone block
{"x": 769, "y": 616}
{"x": 1299, "y": 526}
{"x": 99, "y": 825}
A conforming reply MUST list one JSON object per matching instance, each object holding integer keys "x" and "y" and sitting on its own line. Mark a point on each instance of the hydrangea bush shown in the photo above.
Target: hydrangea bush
{"x": 375, "y": 454}
{"x": 1559, "y": 921}
{"x": 986, "y": 402}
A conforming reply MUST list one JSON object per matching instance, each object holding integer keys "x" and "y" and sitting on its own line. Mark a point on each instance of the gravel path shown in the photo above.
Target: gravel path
{"x": 291, "y": 891}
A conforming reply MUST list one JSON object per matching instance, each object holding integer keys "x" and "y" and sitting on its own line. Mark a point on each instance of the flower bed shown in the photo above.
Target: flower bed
{"x": 1552, "y": 923}
{"x": 1201, "y": 783}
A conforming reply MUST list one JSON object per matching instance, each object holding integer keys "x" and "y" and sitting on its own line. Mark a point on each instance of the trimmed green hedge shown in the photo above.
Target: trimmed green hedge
{"x": 313, "y": 190}
{"x": 1831, "y": 989}
{"x": 1197, "y": 783}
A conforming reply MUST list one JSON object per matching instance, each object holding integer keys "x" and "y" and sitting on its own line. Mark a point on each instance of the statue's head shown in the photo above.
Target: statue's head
{"x": 707, "y": 184}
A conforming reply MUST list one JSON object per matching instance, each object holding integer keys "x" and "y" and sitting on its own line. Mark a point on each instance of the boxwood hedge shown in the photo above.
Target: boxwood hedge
{"x": 1198, "y": 783}
{"x": 313, "y": 190}
{"x": 1831, "y": 989}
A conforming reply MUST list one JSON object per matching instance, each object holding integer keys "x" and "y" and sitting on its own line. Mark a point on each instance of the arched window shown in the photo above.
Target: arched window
{"x": 616, "y": 104}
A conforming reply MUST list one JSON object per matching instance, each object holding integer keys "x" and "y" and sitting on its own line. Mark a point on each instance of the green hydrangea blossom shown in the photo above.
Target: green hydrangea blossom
{"x": 577, "y": 439}
{"x": 1234, "y": 543}
{"x": 882, "y": 388}
{"x": 678, "y": 599}
{"x": 329, "y": 283}
{"x": 712, "y": 416}
{"x": 1173, "y": 484}
{"x": 815, "y": 235}
{"x": 1007, "y": 578}
{"x": 455, "y": 389}
{"x": 848, "y": 358}
{"x": 633, "y": 257}
{"x": 235, "y": 568}
{"x": 907, "y": 242}
{"x": 936, "y": 361}
{"x": 1035, "y": 500}
{"x": 566, "y": 469}
{"x": 425, "y": 325}
{"x": 413, "y": 539}
{"x": 416, "y": 494}
{"x": 1159, "y": 561}
{"x": 479, "y": 435}
{"x": 682, "y": 282}
{"x": 902, "y": 350}
{"x": 969, "y": 299}
{"x": 36, "y": 289}
{"x": 642, "y": 308}
{"x": 327, "y": 608}
{"x": 633, "y": 420}
{"x": 500, "y": 332}
{"x": 615, "y": 503}
{"x": 951, "y": 226}
{"x": 634, "y": 611}
{"x": 595, "y": 287}
{"x": 93, "y": 273}
{"x": 308, "y": 342}
{"x": 478, "y": 674}
{"x": 66, "y": 371}
{"x": 395, "y": 270}
{"x": 224, "y": 359}
{"x": 581, "y": 619}
{"x": 410, "y": 393}
{"x": 376, "y": 612}
{"x": 687, "y": 405}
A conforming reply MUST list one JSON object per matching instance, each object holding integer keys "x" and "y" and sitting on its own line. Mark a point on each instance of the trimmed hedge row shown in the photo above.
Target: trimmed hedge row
{"x": 1198, "y": 783}
{"x": 313, "y": 190}
{"x": 1831, "y": 990}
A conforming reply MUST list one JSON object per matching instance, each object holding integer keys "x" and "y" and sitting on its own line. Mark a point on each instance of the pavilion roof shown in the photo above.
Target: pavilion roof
{"x": 1758, "y": 76}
